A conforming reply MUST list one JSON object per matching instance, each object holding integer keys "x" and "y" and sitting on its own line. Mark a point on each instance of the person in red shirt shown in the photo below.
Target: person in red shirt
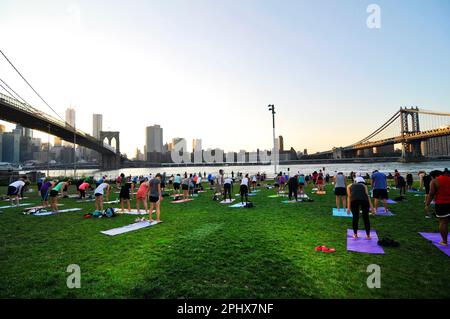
{"x": 440, "y": 191}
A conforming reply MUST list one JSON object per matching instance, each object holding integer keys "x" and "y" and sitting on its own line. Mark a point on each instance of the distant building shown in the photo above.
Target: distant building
{"x": 57, "y": 141}
{"x": 305, "y": 151}
{"x": 196, "y": 142}
{"x": 11, "y": 147}
{"x": 281, "y": 143}
{"x": 154, "y": 142}
{"x": 97, "y": 125}
{"x": 2, "y": 128}
{"x": 70, "y": 116}
{"x": 436, "y": 146}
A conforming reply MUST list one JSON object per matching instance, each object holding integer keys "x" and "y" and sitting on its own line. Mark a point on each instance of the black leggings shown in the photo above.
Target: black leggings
{"x": 292, "y": 191}
{"x": 244, "y": 192}
{"x": 227, "y": 190}
{"x": 355, "y": 207}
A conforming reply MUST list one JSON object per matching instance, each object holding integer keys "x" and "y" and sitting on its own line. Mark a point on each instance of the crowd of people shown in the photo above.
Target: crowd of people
{"x": 351, "y": 192}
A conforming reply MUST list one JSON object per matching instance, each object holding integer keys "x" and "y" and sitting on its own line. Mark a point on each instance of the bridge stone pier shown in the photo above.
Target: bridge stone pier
{"x": 411, "y": 151}
{"x": 111, "y": 162}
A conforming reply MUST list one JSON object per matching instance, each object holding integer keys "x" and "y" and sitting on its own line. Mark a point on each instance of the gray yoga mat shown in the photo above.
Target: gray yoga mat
{"x": 128, "y": 228}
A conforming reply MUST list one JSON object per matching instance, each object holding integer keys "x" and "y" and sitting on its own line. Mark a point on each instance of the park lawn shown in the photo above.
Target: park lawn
{"x": 206, "y": 250}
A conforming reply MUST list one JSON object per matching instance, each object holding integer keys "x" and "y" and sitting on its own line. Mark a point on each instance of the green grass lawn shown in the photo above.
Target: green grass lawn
{"x": 207, "y": 250}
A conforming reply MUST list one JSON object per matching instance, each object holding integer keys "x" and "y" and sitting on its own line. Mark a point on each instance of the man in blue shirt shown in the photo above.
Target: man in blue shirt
{"x": 379, "y": 186}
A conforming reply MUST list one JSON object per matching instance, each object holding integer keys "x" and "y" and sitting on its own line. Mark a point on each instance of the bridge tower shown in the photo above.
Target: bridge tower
{"x": 411, "y": 151}
{"x": 111, "y": 162}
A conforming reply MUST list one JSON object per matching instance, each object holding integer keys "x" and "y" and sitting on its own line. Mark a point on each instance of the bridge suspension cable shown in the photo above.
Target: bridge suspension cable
{"x": 17, "y": 96}
{"x": 380, "y": 129}
{"x": 23, "y": 78}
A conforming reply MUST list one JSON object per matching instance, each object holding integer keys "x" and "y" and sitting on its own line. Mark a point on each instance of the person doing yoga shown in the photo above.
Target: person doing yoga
{"x": 359, "y": 200}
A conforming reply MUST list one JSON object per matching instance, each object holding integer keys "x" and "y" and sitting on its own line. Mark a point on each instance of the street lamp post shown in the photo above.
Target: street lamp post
{"x": 74, "y": 152}
{"x": 272, "y": 108}
{"x": 48, "y": 152}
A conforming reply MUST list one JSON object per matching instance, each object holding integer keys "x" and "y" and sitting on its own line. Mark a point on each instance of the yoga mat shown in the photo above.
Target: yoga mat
{"x": 54, "y": 213}
{"x": 181, "y": 201}
{"x": 227, "y": 201}
{"x": 275, "y": 196}
{"x": 291, "y": 201}
{"x": 341, "y": 213}
{"x": 391, "y": 201}
{"x": 238, "y": 205}
{"x": 435, "y": 238}
{"x": 249, "y": 194}
{"x": 21, "y": 198}
{"x": 15, "y": 206}
{"x": 415, "y": 192}
{"x": 256, "y": 190}
{"x": 361, "y": 244}
{"x": 128, "y": 228}
{"x": 380, "y": 212}
{"x": 39, "y": 207}
{"x": 321, "y": 193}
{"x": 133, "y": 212}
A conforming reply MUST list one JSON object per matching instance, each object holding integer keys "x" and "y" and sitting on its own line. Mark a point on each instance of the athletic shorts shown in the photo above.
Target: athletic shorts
{"x": 53, "y": 193}
{"x": 243, "y": 189}
{"x": 227, "y": 187}
{"x": 380, "y": 194}
{"x": 176, "y": 185}
{"x": 184, "y": 187}
{"x": 98, "y": 194}
{"x": 442, "y": 210}
{"x": 340, "y": 191}
{"x": 301, "y": 184}
{"x": 12, "y": 191}
{"x": 124, "y": 193}
{"x": 44, "y": 195}
{"x": 154, "y": 199}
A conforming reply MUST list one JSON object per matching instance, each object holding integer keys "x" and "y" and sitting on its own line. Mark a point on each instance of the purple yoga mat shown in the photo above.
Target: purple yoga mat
{"x": 435, "y": 238}
{"x": 361, "y": 244}
{"x": 391, "y": 201}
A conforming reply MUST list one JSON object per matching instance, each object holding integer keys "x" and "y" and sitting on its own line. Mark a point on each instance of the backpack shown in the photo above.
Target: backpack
{"x": 109, "y": 212}
{"x": 34, "y": 211}
{"x": 249, "y": 205}
{"x": 215, "y": 197}
{"x": 388, "y": 242}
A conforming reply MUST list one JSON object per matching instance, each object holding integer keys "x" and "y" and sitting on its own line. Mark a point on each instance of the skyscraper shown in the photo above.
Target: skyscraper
{"x": 280, "y": 139}
{"x": 154, "y": 138}
{"x": 70, "y": 116}
{"x": 57, "y": 141}
{"x": 196, "y": 142}
{"x": 97, "y": 125}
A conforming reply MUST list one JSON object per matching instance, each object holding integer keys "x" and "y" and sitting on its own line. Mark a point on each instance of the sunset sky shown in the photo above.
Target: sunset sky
{"x": 208, "y": 69}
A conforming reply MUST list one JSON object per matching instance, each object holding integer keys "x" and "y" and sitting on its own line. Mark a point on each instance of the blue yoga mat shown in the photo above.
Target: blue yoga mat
{"x": 341, "y": 213}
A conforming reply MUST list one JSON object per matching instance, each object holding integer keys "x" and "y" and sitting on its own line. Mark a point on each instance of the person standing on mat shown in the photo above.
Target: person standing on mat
{"x": 176, "y": 184}
{"x": 293, "y": 187}
{"x": 227, "y": 188}
{"x": 98, "y": 193}
{"x": 15, "y": 189}
{"x": 124, "y": 195}
{"x": 340, "y": 190}
{"x": 244, "y": 189}
{"x": 440, "y": 191}
{"x": 379, "y": 186}
{"x": 142, "y": 195}
{"x": 54, "y": 194}
{"x": 185, "y": 183}
{"x": 155, "y": 197}
{"x": 82, "y": 189}
{"x": 301, "y": 184}
{"x": 401, "y": 184}
{"x": 359, "y": 200}
{"x": 45, "y": 191}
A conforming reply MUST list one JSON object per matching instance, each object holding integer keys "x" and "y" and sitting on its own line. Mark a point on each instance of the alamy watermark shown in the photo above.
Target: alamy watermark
{"x": 181, "y": 155}
{"x": 74, "y": 279}
{"x": 374, "y": 19}
{"x": 374, "y": 279}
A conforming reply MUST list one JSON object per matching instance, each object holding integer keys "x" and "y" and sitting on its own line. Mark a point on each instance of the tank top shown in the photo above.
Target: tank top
{"x": 340, "y": 180}
{"x": 58, "y": 187}
{"x": 358, "y": 192}
{"x": 442, "y": 195}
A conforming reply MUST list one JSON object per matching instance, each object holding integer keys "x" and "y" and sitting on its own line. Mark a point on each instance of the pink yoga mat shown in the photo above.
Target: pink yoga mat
{"x": 181, "y": 201}
{"x": 361, "y": 244}
{"x": 435, "y": 238}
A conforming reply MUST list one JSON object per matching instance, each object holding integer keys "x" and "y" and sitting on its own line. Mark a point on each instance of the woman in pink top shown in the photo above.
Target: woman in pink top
{"x": 82, "y": 189}
{"x": 142, "y": 195}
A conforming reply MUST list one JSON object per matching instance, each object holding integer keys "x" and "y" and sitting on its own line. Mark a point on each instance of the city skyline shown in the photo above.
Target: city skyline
{"x": 215, "y": 70}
